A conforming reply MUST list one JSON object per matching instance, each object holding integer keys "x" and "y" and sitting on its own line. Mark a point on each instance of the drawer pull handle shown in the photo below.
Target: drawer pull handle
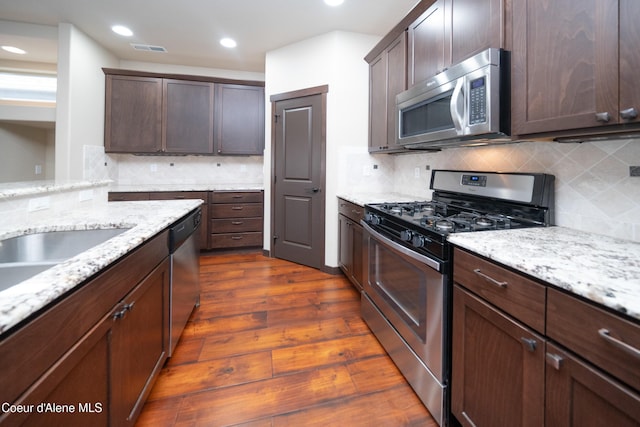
{"x": 529, "y": 344}
{"x": 238, "y": 197}
{"x": 237, "y": 222}
{"x": 236, "y": 237}
{"x": 606, "y": 334}
{"x": 555, "y": 360}
{"x": 237, "y": 208}
{"x": 490, "y": 279}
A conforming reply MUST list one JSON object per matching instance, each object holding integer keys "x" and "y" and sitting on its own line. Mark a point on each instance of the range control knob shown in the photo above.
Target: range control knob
{"x": 372, "y": 219}
{"x": 406, "y": 235}
{"x": 418, "y": 241}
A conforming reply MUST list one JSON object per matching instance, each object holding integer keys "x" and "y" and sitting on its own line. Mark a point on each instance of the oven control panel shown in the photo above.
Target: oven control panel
{"x": 474, "y": 180}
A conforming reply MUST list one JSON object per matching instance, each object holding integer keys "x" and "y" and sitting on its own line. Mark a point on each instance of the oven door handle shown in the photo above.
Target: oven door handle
{"x": 436, "y": 265}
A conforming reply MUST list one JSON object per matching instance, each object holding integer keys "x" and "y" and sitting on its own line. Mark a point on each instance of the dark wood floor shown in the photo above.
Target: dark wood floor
{"x": 278, "y": 344}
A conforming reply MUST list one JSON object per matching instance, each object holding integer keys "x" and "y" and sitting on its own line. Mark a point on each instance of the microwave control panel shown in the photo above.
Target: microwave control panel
{"x": 478, "y": 101}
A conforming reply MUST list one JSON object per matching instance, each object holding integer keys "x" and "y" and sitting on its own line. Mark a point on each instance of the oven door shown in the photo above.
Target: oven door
{"x": 409, "y": 291}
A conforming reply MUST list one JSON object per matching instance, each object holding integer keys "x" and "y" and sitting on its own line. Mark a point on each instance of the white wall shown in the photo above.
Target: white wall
{"x": 22, "y": 148}
{"x": 80, "y": 99}
{"x": 335, "y": 59}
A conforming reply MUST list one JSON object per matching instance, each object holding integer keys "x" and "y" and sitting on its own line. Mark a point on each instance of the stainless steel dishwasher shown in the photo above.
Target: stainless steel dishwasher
{"x": 184, "y": 290}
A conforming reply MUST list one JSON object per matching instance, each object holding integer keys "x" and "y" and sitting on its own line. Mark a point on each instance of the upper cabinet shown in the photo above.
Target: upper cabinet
{"x": 239, "y": 113}
{"x": 156, "y": 114}
{"x": 428, "y": 50}
{"x": 133, "y": 114}
{"x": 387, "y": 78}
{"x": 450, "y": 31}
{"x": 187, "y": 117}
{"x": 476, "y": 25}
{"x": 573, "y": 66}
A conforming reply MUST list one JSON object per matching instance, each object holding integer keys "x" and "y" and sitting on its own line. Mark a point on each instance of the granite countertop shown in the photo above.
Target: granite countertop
{"x": 145, "y": 219}
{"x": 362, "y": 199}
{"x": 31, "y": 188}
{"x": 141, "y": 188}
{"x": 602, "y": 269}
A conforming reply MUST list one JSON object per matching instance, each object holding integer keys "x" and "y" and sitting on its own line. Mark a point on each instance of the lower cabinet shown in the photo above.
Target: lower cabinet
{"x": 236, "y": 219}
{"x": 555, "y": 360}
{"x": 498, "y": 367}
{"x": 139, "y": 344}
{"x": 350, "y": 234}
{"x": 92, "y": 358}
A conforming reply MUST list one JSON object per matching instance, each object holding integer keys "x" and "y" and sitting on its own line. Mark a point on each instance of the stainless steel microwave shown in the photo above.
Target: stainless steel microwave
{"x": 467, "y": 104}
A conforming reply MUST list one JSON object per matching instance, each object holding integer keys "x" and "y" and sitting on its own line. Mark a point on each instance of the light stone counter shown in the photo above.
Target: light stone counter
{"x": 362, "y": 199}
{"x": 599, "y": 268}
{"x": 146, "y": 219}
{"x": 32, "y": 188}
{"x": 184, "y": 187}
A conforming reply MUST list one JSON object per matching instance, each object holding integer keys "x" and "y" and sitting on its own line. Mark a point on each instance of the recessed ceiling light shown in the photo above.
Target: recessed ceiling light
{"x": 122, "y": 30}
{"x": 334, "y": 2}
{"x": 14, "y": 49}
{"x": 227, "y": 42}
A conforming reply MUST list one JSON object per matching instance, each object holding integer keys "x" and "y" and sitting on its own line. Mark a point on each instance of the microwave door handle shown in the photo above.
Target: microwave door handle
{"x": 457, "y": 107}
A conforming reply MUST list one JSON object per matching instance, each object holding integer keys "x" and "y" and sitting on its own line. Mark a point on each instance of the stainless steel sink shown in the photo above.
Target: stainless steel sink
{"x": 25, "y": 256}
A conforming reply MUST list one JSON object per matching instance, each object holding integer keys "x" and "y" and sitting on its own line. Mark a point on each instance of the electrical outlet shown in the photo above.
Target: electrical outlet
{"x": 416, "y": 173}
{"x": 85, "y": 195}
{"x": 38, "y": 169}
{"x": 634, "y": 170}
{"x": 153, "y": 167}
{"x": 39, "y": 203}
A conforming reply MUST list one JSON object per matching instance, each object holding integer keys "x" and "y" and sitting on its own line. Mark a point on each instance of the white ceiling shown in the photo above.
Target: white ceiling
{"x": 190, "y": 29}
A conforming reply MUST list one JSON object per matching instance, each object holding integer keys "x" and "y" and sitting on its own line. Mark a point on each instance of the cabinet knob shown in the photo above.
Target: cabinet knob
{"x": 629, "y": 113}
{"x": 554, "y": 360}
{"x": 603, "y": 117}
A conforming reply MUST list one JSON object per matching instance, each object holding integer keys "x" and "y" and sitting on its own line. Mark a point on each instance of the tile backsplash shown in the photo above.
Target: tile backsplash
{"x": 129, "y": 169}
{"x": 594, "y": 190}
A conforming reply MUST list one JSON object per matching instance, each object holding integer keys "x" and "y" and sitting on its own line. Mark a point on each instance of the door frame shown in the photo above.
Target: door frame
{"x": 316, "y": 90}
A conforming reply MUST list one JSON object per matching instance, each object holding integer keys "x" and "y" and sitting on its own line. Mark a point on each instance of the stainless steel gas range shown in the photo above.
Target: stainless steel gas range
{"x": 408, "y": 289}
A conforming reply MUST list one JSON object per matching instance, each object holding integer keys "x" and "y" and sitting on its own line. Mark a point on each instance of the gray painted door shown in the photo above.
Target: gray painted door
{"x": 299, "y": 179}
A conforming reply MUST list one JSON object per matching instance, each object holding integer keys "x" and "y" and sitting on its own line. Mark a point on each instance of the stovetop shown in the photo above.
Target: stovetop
{"x": 465, "y": 202}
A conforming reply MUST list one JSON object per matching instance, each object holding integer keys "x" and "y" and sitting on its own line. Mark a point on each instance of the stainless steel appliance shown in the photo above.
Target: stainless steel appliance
{"x": 407, "y": 287}
{"x": 465, "y": 105}
{"x": 184, "y": 290}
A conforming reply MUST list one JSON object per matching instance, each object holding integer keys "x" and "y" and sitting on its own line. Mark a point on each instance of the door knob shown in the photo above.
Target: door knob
{"x": 312, "y": 190}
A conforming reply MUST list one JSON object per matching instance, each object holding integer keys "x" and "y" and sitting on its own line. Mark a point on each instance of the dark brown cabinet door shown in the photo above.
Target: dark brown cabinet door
{"x": 476, "y": 25}
{"x": 187, "y": 117}
{"x": 133, "y": 114}
{"x": 139, "y": 344}
{"x": 564, "y": 65}
{"x": 428, "y": 44}
{"x": 581, "y": 396}
{"x": 387, "y": 78}
{"x": 350, "y": 250}
{"x": 629, "y": 61}
{"x": 498, "y": 367}
{"x": 78, "y": 380}
{"x": 239, "y": 119}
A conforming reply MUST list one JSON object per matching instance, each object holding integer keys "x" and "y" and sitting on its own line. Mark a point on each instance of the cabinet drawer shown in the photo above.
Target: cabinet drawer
{"x": 247, "y": 210}
{"x": 236, "y": 197}
{"x": 517, "y": 295}
{"x": 581, "y": 327}
{"x": 178, "y": 195}
{"x": 127, "y": 196}
{"x": 235, "y": 240}
{"x": 350, "y": 210}
{"x": 236, "y": 225}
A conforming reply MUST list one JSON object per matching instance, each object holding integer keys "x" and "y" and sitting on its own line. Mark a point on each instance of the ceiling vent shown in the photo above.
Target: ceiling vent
{"x": 148, "y": 47}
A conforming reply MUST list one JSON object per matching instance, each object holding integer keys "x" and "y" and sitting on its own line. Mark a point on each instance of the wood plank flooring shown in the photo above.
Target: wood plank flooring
{"x": 278, "y": 344}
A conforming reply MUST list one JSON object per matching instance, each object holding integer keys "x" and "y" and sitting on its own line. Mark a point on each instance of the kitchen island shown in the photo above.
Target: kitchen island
{"x": 145, "y": 220}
